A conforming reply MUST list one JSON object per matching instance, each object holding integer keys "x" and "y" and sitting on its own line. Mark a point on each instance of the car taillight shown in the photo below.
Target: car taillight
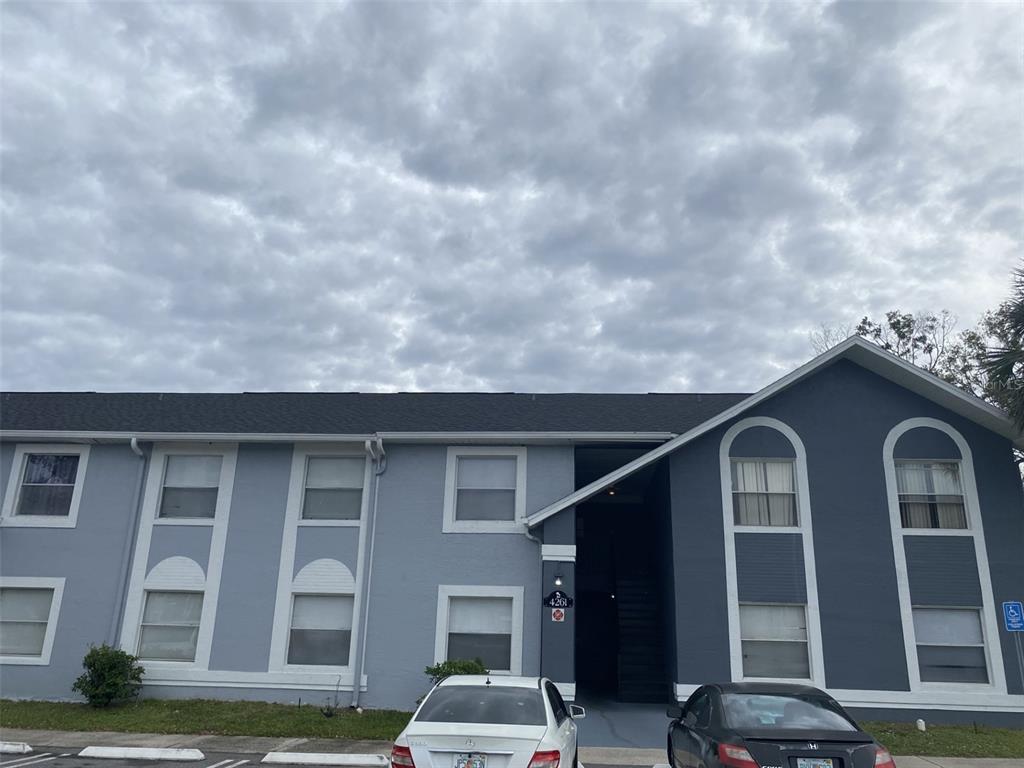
{"x": 736, "y": 757}
{"x": 883, "y": 759}
{"x": 548, "y": 759}
{"x": 401, "y": 757}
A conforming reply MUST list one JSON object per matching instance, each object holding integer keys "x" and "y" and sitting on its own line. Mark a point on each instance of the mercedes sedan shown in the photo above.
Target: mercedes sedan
{"x": 768, "y": 725}
{"x": 470, "y": 721}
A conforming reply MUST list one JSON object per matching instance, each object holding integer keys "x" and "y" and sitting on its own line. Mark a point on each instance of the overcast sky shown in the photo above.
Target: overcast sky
{"x": 384, "y": 196}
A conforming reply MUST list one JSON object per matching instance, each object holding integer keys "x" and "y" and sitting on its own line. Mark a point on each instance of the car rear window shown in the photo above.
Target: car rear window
{"x": 483, "y": 704}
{"x": 758, "y": 710}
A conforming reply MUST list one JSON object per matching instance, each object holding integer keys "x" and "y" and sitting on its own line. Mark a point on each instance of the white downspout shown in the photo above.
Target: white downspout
{"x": 113, "y": 635}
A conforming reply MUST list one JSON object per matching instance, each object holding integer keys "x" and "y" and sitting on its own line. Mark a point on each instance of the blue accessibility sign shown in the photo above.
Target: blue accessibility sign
{"x": 1013, "y": 616}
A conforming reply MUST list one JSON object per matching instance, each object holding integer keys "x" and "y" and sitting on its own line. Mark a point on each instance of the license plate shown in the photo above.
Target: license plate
{"x": 814, "y": 762}
{"x": 473, "y": 761}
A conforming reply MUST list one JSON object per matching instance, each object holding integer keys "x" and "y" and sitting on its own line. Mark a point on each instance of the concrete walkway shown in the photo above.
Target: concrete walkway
{"x": 597, "y": 756}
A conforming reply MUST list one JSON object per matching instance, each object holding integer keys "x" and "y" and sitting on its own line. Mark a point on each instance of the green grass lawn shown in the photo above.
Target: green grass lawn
{"x": 224, "y": 718}
{"x": 248, "y": 718}
{"x": 948, "y": 740}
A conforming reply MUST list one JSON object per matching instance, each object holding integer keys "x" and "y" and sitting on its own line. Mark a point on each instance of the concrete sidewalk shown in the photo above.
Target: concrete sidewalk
{"x": 612, "y": 756}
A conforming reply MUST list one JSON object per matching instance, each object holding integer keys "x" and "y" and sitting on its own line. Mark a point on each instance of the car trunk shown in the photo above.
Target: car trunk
{"x": 803, "y": 749}
{"x": 438, "y": 745}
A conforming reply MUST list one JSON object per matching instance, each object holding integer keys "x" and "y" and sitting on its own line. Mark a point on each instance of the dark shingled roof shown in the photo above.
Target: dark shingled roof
{"x": 357, "y": 413}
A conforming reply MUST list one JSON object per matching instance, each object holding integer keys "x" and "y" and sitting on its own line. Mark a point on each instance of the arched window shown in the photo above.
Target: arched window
{"x": 172, "y": 611}
{"x": 320, "y": 628}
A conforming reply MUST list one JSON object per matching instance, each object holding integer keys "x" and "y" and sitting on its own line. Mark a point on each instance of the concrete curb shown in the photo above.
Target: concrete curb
{"x": 143, "y": 753}
{"x": 14, "y": 748}
{"x": 325, "y": 758}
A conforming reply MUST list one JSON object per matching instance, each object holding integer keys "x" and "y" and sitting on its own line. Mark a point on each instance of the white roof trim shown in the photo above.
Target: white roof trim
{"x": 860, "y": 351}
{"x": 300, "y": 437}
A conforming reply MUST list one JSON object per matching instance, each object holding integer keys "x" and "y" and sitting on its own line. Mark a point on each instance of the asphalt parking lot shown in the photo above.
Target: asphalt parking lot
{"x": 55, "y": 757}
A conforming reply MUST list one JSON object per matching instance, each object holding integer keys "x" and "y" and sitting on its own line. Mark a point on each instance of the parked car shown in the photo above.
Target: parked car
{"x": 471, "y": 721}
{"x": 768, "y": 725}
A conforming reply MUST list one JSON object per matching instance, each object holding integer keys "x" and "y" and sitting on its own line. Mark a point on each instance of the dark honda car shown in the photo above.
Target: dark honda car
{"x": 768, "y": 725}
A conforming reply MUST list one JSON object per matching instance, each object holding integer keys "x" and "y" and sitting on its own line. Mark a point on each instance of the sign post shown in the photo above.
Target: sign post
{"x": 1013, "y": 620}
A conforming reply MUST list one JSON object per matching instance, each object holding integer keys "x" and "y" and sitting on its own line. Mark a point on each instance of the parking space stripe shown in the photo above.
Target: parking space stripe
{"x": 23, "y": 759}
{"x": 222, "y": 762}
{"x": 240, "y": 762}
{"x": 38, "y": 759}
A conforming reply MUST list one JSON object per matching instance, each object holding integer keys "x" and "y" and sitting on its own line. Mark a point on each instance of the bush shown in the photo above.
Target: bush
{"x": 111, "y": 675}
{"x": 439, "y": 672}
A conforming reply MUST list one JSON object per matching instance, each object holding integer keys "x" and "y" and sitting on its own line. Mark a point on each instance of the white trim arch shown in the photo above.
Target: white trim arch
{"x": 803, "y": 527}
{"x": 325, "y": 577}
{"x": 975, "y": 531}
{"x": 176, "y": 573}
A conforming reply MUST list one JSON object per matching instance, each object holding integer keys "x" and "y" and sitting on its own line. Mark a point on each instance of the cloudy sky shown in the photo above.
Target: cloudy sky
{"x": 373, "y": 196}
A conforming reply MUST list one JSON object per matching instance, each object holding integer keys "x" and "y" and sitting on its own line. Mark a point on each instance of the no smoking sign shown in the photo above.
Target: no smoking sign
{"x": 558, "y": 614}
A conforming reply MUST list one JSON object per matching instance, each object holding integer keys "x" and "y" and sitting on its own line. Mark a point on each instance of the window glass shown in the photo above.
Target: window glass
{"x": 774, "y": 641}
{"x": 764, "y": 492}
{"x": 321, "y": 631}
{"x": 481, "y": 628}
{"x": 557, "y": 704}
{"x": 930, "y": 494}
{"x": 485, "y": 488}
{"x": 701, "y": 709}
{"x": 950, "y": 645}
{"x": 170, "y": 626}
{"x": 755, "y": 710}
{"x": 47, "y": 485}
{"x": 24, "y": 613}
{"x": 495, "y": 704}
{"x": 334, "y": 488}
{"x": 190, "y": 486}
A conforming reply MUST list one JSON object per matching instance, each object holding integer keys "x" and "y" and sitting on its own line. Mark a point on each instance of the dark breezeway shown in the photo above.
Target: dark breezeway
{"x": 624, "y": 625}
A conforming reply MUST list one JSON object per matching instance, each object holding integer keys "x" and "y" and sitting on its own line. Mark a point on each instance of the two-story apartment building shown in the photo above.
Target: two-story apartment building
{"x": 855, "y": 525}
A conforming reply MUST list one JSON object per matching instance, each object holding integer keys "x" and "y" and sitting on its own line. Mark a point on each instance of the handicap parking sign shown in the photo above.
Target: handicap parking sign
{"x": 1013, "y": 616}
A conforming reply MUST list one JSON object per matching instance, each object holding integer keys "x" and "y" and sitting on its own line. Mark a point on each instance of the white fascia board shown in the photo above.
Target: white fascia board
{"x": 856, "y": 349}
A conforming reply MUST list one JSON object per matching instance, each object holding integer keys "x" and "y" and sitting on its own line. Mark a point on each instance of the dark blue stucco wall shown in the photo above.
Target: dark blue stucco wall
{"x": 843, "y": 414}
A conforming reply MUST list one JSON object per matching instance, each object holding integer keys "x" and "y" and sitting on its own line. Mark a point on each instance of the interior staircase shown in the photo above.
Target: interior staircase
{"x": 643, "y": 671}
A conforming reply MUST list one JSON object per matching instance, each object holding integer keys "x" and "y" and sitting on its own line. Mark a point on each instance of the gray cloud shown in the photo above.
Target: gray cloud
{"x": 381, "y": 196}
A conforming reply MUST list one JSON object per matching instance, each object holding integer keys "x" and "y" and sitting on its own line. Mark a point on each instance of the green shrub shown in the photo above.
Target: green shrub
{"x": 439, "y": 672}
{"x": 111, "y": 675}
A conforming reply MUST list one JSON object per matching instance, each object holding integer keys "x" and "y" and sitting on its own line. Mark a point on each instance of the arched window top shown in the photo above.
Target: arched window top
{"x": 926, "y": 443}
{"x": 325, "y": 576}
{"x": 761, "y": 442}
{"x": 176, "y": 572}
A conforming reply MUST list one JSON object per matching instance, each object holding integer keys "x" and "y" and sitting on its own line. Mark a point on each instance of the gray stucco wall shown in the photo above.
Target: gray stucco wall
{"x": 558, "y": 639}
{"x": 191, "y": 541}
{"x": 252, "y": 551}
{"x": 88, "y": 556}
{"x": 843, "y": 414}
{"x": 315, "y": 542}
{"x": 770, "y": 568}
{"x": 412, "y": 557}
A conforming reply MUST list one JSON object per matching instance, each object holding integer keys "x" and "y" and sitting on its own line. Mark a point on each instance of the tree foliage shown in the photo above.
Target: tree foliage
{"x": 111, "y": 676}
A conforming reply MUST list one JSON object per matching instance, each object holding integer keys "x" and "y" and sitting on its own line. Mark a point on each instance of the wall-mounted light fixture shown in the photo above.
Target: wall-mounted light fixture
{"x": 558, "y": 579}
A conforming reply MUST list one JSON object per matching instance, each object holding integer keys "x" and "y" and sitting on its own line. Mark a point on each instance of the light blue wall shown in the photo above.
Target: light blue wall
{"x": 191, "y": 541}
{"x": 315, "y": 542}
{"x": 89, "y": 557}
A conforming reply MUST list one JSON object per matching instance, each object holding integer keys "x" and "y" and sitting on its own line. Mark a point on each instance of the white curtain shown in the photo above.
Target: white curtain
{"x": 192, "y": 471}
{"x": 179, "y": 608}
{"x": 487, "y": 472}
{"x": 773, "y": 622}
{"x": 323, "y": 472}
{"x": 483, "y": 615}
{"x": 948, "y": 626}
{"x": 322, "y": 612}
{"x": 928, "y": 478}
{"x": 25, "y": 604}
{"x": 762, "y": 476}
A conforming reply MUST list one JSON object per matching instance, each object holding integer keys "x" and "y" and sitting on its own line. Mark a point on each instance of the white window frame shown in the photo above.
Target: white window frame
{"x": 796, "y": 496}
{"x": 339, "y": 453}
{"x": 162, "y": 590}
{"x": 975, "y": 530}
{"x": 450, "y": 524}
{"x": 447, "y": 591}
{"x": 37, "y": 582}
{"x": 967, "y": 507}
{"x": 984, "y": 640}
{"x": 9, "y": 516}
{"x": 807, "y": 643}
{"x": 227, "y": 478}
{"x": 174, "y": 574}
{"x": 815, "y": 654}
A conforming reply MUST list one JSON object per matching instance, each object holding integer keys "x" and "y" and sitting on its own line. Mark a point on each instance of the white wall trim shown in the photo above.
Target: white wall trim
{"x": 805, "y": 528}
{"x": 562, "y": 553}
{"x": 177, "y": 573}
{"x": 336, "y": 581}
{"x": 450, "y": 524}
{"x": 314, "y": 681}
{"x": 218, "y": 537}
{"x": 974, "y": 531}
{"x": 8, "y": 516}
{"x": 38, "y": 582}
{"x": 447, "y": 591}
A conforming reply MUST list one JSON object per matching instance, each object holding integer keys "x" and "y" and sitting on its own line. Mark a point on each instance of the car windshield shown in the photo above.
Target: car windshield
{"x": 483, "y": 704}
{"x": 758, "y": 710}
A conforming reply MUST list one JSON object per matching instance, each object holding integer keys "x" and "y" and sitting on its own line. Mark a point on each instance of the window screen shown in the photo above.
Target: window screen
{"x": 47, "y": 485}
{"x": 763, "y": 493}
{"x": 481, "y": 628}
{"x": 950, "y": 645}
{"x": 930, "y": 494}
{"x": 190, "y": 486}
{"x": 774, "y": 641}
{"x": 24, "y": 614}
{"x": 334, "y": 488}
{"x": 170, "y": 626}
{"x": 485, "y": 488}
{"x": 321, "y": 630}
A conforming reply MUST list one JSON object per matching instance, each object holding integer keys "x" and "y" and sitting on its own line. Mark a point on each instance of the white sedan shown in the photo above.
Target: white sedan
{"x": 479, "y": 721}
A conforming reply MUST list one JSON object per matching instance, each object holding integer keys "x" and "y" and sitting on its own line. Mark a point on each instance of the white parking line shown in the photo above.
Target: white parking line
{"x": 36, "y": 759}
{"x": 240, "y": 762}
{"x": 23, "y": 759}
{"x": 222, "y": 762}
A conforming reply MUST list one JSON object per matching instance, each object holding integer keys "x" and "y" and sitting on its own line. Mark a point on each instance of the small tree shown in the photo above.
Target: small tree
{"x": 111, "y": 675}
{"x": 439, "y": 672}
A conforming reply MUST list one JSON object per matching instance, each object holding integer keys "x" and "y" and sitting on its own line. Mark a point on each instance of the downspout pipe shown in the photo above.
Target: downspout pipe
{"x": 377, "y": 455}
{"x": 129, "y": 544}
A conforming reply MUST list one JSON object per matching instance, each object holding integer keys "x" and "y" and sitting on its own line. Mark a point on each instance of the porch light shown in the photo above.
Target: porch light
{"x": 558, "y": 579}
